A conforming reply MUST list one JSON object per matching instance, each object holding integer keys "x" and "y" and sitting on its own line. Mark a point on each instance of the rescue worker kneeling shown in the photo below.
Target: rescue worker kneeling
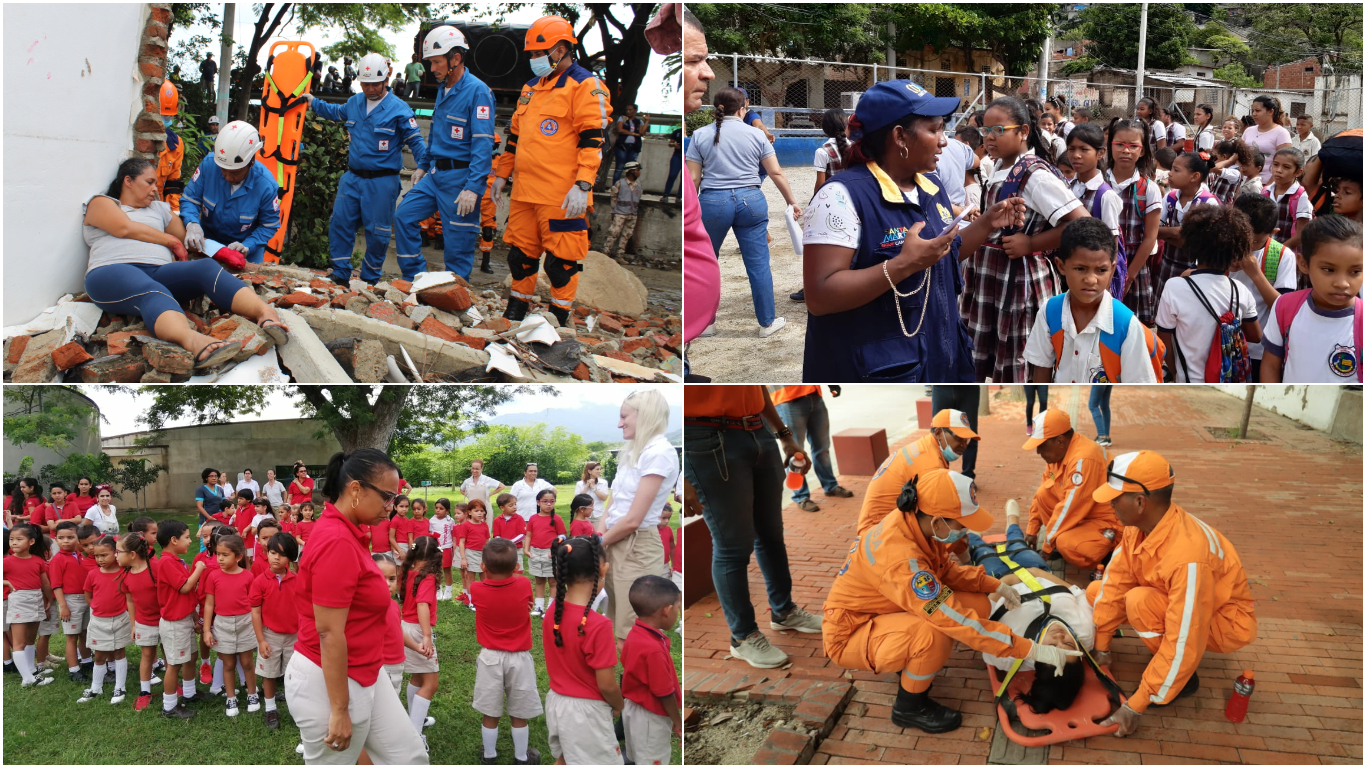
{"x": 1064, "y": 520}
{"x": 1174, "y": 578}
{"x": 901, "y": 601}
{"x": 232, "y": 198}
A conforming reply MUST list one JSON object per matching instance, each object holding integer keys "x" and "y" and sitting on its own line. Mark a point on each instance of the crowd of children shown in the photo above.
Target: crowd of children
{"x": 236, "y": 602}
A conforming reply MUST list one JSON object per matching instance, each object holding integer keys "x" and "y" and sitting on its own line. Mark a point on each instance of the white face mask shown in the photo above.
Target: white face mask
{"x": 542, "y": 65}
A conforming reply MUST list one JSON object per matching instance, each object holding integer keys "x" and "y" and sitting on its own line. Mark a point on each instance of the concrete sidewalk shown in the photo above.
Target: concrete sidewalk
{"x": 1291, "y": 505}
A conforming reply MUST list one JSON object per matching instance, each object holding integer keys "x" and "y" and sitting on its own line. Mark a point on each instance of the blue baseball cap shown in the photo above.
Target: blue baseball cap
{"x": 888, "y": 102}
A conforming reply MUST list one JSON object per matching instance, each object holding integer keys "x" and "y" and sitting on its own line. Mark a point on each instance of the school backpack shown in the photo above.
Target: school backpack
{"x": 1292, "y": 205}
{"x": 1110, "y": 343}
{"x": 1015, "y": 181}
{"x": 1121, "y": 252}
{"x": 1271, "y": 259}
{"x": 1288, "y": 305}
{"x": 1227, "y": 362}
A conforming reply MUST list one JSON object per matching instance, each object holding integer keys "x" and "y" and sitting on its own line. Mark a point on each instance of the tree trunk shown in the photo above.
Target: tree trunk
{"x": 376, "y": 433}
{"x": 1247, "y": 412}
{"x": 264, "y": 30}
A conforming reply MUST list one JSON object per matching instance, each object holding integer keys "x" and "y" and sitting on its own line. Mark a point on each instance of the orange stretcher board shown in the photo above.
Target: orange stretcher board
{"x": 288, "y": 77}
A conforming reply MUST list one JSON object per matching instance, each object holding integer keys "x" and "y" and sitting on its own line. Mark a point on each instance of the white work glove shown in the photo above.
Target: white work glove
{"x": 194, "y": 237}
{"x": 417, "y": 176}
{"x": 242, "y": 249}
{"x": 575, "y": 202}
{"x": 1051, "y": 654}
{"x": 1125, "y": 718}
{"x": 465, "y": 202}
{"x": 498, "y": 183}
{"x": 1009, "y": 595}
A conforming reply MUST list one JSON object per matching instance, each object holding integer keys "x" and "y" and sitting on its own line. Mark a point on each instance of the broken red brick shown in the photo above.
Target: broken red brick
{"x": 452, "y": 297}
{"x": 496, "y": 324}
{"x": 340, "y": 301}
{"x": 402, "y": 285}
{"x": 615, "y": 355}
{"x": 674, "y": 342}
{"x": 631, "y": 345}
{"x": 114, "y": 369}
{"x": 17, "y": 345}
{"x": 222, "y": 329}
{"x": 70, "y": 355}
{"x": 199, "y": 324}
{"x": 581, "y": 372}
{"x": 299, "y": 297}
{"x": 382, "y": 310}
{"x": 632, "y": 331}
{"x": 119, "y": 341}
{"x": 609, "y": 323}
{"x": 168, "y": 358}
{"x": 433, "y": 327}
{"x": 254, "y": 278}
{"x": 581, "y": 311}
{"x": 319, "y": 284}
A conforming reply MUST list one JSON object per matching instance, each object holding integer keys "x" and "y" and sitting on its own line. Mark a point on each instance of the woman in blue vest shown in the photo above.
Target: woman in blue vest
{"x": 881, "y": 251}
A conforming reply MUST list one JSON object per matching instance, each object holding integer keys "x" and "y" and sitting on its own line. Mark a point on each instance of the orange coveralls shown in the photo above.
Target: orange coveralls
{"x": 488, "y": 211}
{"x": 1183, "y": 588}
{"x": 915, "y": 459}
{"x": 900, "y": 602}
{"x": 1064, "y": 515}
{"x": 555, "y": 139}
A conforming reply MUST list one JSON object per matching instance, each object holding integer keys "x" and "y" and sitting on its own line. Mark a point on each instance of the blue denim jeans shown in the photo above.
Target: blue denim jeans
{"x": 744, "y": 210}
{"x": 624, "y": 156}
{"x": 965, "y": 398}
{"x": 810, "y": 423}
{"x": 1017, "y": 548}
{"x": 1030, "y": 391}
{"x": 675, "y": 169}
{"x": 1100, "y": 408}
{"x": 738, "y": 476}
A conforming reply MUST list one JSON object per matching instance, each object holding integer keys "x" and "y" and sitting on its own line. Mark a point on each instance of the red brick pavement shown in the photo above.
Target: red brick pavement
{"x": 1291, "y": 506}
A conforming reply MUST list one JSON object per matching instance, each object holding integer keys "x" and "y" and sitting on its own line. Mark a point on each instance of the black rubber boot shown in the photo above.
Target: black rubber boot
{"x": 1192, "y": 685}
{"x": 516, "y": 310}
{"x": 484, "y": 265}
{"x": 918, "y": 710}
{"x": 560, "y": 314}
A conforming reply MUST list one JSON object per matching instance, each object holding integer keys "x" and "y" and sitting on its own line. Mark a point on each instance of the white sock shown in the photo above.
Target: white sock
{"x": 88, "y": 660}
{"x": 418, "y": 711}
{"x": 120, "y": 673}
{"x": 146, "y": 686}
{"x": 490, "y": 741}
{"x": 25, "y": 666}
{"x": 72, "y": 670}
{"x": 520, "y": 737}
{"x": 31, "y": 656}
{"x": 217, "y": 677}
{"x": 412, "y": 694}
{"x": 270, "y": 703}
{"x": 187, "y": 686}
{"x": 599, "y": 601}
{"x": 97, "y": 681}
{"x": 168, "y": 701}
{"x": 540, "y": 605}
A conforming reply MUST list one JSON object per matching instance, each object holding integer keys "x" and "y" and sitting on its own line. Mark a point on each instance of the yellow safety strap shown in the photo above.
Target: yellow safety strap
{"x": 280, "y": 121}
{"x": 1034, "y": 585}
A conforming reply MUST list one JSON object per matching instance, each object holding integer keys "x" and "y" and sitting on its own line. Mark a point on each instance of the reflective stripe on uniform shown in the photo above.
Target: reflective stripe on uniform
{"x": 525, "y": 296}
{"x": 1149, "y": 635}
{"x": 1106, "y": 578}
{"x": 1187, "y": 611}
{"x": 1214, "y": 546}
{"x": 973, "y": 624}
{"x": 908, "y": 674}
{"x": 1067, "y": 505}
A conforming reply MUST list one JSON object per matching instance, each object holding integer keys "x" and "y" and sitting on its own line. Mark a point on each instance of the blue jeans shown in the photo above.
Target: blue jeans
{"x": 624, "y": 156}
{"x": 151, "y": 290}
{"x": 1030, "y": 391}
{"x": 675, "y": 169}
{"x": 744, "y": 210}
{"x": 985, "y": 555}
{"x": 1100, "y": 408}
{"x": 810, "y": 422}
{"x": 738, "y": 476}
{"x": 965, "y": 398}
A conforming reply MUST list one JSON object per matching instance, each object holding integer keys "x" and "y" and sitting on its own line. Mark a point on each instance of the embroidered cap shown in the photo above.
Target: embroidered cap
{"x": 889, "y": 101}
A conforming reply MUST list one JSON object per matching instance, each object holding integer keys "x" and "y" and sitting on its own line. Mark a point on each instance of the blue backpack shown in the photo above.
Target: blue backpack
{"x": 1110, "y": 343}
{"x": 1121, "y": 256}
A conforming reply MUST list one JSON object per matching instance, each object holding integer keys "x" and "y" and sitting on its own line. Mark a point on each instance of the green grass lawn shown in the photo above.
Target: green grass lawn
{"x": 46, "y": 725}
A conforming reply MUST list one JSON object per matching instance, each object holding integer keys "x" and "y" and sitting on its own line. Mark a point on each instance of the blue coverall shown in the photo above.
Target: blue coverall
{"x": 250, "y": 216}
{"x": 462, "y": 133}
{"x": 375, "y": 140}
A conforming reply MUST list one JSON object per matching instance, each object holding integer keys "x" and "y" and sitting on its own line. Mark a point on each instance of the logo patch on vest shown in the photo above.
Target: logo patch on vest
{"x": 457, "y": 131}
{"x": 195, "y": 177}
{"x": 934, "y": 604}
{"x": 383, "y": 144}
{"x": 481, "y": 113}
{"x": 245, "y": 227}
{"x": 943, "y": 213}
{"x": 925, "y": 585}
{"x": 412, "y": 122}
{"x": 895, "y": 236}
{"x": 1098, "y": 375}
{"x": 549, "y": 127}
{"x": 1076, "y": 478}
{"x": 1343, "y": 361}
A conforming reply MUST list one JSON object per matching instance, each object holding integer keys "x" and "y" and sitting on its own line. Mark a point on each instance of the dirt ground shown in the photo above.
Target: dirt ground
{"x": 740, "y": 729}
{"x": 736, "y": 353}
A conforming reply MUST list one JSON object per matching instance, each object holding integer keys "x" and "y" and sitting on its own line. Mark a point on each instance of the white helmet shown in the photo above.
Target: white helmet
{"x": 236, "y": 145}
{"x": 372, "y": 68}
{"x": 443, "y": 40}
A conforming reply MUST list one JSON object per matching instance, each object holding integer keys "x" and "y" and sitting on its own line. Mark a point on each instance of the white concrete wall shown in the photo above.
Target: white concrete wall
{"x": 1313, "y": 405}
{"x": 71, "y": 96}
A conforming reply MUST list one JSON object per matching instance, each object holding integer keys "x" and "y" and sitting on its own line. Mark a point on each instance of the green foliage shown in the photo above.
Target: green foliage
{"x": 361, "y": 23}
{"x": 216, "y": 404}
{"x": 1013, "y": 33}
{"x": 322, "y": 161}
{"x": 1083, "y": 64}
{"x": 1113, "y": 29}
{"x": 1291, "y": 31}
{"x": 25, "y": 469}
{"x": 96, "y": 466}
{"x": 507, "y": 450}
{"x": 1234, "y": 73}
{"x": 51, "y": 417}
{"x": 1228, "y": 48}
{"x": 845, "y": 31}
{"x": 136, "y": 475}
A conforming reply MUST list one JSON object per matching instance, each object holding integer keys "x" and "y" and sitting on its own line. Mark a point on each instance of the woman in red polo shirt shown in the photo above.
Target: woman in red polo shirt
{"x": 343, "y": 602}
{"x": 301, "y": 489}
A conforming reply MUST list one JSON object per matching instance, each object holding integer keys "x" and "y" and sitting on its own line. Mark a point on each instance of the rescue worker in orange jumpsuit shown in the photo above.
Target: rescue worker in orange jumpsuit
{"x": 901, "y": 600}
{"x": 170, "y": 158}
{"x": 1174, "y": 578}
{"x": 946, "y": 442}
{"x": 1064, "y": 520}
{"x": 488, "y": 214}
{"x": 555, "y": 146}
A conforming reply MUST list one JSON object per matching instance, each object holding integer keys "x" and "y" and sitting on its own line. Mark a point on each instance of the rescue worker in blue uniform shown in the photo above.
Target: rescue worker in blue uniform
{"x": 232, "y": 198}
{"x": 460, "y": 150}
{"x": 882, "y": 277}
{"x": 378, "y": 122}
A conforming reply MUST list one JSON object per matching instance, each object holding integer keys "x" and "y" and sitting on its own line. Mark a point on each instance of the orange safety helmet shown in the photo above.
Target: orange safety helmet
{"x": 170, "y": 98}
{"x": 547, "y": 31}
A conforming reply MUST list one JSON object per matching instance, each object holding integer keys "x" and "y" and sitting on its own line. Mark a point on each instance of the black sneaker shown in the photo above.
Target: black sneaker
{"x": 798, "y": 296}
{"x": 78, "y": 677}
{"x": 489, "y": 760}
{"x": 180, "y": 712}
{"x": 192, "y": 698}
{"x": 1192, "y": 685}
{"x": 11, "y": 669}
{"x": 272, "y": 720}
{"x": 918, "y": 710}
{"x": 159, "y": 666}
{"x": 533, "y": 757}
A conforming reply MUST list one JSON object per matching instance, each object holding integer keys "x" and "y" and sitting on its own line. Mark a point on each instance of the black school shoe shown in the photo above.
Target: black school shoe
{"x": 533, "y": 757}
{"x": 179, "y": 713}
{"x": 273, "y": 720}
{"x": 1192, "y": 685}
{"x": 918, "y": 710}
{"x": 78, "y": 676}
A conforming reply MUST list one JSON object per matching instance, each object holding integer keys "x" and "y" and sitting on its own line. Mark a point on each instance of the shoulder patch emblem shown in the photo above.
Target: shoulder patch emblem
{"x": 598, "y": 92}
{"x": 934, "y": 604}
{"x": 549, "y": 127}
{"x": 412, "y": 122}
{"x": 1076, "y": 478}
{"x": 195, "y": 177}
{"x": 481, "y": 112}
{"x": 925, "y": 585}
{"x": 526, "y": 98}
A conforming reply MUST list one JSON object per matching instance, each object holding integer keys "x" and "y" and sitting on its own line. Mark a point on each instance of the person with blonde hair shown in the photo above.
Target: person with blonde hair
{"x": 647, "y": 470}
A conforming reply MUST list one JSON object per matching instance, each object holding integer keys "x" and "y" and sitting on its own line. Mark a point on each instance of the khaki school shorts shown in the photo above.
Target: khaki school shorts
{"x": 581, "y": 730}
{"x": 540, "y": 564}
{"x": 109, "y": 633}
{"x": 281, "y": 651}
{"x": 145, "y": 635}
{"x": 80, "y": 615}
{"x": 474, "y": 558}
{"x": 52, "y": 622}
{"x": 647, "y": 735}
{"x": 414, "y": 662}
{"x": 234, "y": 634}
{"x": 178, "y": 639}
{"x": 509, "y": 675}
{"x": 25, "y": 606}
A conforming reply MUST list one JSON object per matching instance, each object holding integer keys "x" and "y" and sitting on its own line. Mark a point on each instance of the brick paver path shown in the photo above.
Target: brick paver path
{"x": 1291, "y": 506}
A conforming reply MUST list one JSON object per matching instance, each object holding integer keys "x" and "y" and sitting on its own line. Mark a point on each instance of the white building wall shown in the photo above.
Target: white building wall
{"x": 71, "y": 96}
{"x": 1313, "y": 405}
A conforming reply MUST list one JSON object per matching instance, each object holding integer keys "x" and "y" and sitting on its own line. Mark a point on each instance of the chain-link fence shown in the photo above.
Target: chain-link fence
{"x": 790, "y": 94}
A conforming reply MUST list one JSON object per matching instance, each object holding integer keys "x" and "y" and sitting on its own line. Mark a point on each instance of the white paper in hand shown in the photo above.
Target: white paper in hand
{"x": 794, "y": 230}
{"x": 500, "y": 358}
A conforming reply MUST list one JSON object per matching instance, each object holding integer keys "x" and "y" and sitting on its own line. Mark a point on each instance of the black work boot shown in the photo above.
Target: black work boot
{"x": 560, "y": 314}
{"x": 1192, "y": 685}
{"x": 516, "y": 309}
{"x": 484, "y": 265}
{"x": 918, "y": 710}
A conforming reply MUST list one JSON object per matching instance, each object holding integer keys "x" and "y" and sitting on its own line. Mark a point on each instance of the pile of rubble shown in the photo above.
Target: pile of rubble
{"x": 440, "y": 329}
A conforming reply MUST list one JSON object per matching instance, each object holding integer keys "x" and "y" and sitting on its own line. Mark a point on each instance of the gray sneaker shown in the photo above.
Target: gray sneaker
{"x": 757, "y": 652}
{"x": 799, "y": 621}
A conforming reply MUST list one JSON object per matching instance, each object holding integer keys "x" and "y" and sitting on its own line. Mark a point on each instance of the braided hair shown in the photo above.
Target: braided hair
{"x": 574, "y": 560}
{"x": 834, "y": 124}
{"x": 727, "y": 102}
{"x": 427, "y": 551}
{"x": 138, "y": 545}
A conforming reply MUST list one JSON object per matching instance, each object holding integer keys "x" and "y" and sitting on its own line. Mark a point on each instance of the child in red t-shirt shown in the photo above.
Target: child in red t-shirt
{"x": 140, "y": 585}
{"x": 473, "y": 538}
{"x": 543, "y": 529}
{"x": 111, "y": 631}
{"x": 420, "y": 577}
{"x": 417, "y": 524}
{"x": 305, "y": 523}
{"x": 176, "y": 584}
{"x": 398, "y": 527}
{"x": 265, "y": 531}
{"x": 509, "y": 525}
{"x": 580, "y": 658}
{"x": 666, "y": 536}
{"x": 506, "y": 671}
{"x": 580, "y": 511}
{"x": 210, "y": 675}
{"x": 395, "y": 640}
{"x": 649, "y": 680}
{"x": 29, "y": 594}
{"x": 274, "y": 616}
{"x": 227, "y": 619}
{"x": 67, "y": 575}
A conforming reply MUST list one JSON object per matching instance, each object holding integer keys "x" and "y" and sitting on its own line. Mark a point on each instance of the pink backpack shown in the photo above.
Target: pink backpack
{"x": 1288, "y": 306}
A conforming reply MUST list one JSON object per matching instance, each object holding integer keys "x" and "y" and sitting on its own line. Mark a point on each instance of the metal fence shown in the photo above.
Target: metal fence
{"x": 791, "y": 94}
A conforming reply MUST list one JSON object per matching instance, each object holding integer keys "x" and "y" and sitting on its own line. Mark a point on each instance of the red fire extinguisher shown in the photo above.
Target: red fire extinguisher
{"x": 1237, "y": 701}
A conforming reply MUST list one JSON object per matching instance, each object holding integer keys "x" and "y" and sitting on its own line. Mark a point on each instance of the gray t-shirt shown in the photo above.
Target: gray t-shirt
{"x": 735, "y": 160}
{"x": 953, "y": 163}
{"x": 105, "y": 249}
{"x": 627, "y": 199}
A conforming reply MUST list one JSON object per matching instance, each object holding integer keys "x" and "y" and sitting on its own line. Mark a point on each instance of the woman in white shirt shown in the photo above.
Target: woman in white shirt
{"x": 647, "y": 468}
{"x": 592, "y": 484}
{"x": 103, "y": 515}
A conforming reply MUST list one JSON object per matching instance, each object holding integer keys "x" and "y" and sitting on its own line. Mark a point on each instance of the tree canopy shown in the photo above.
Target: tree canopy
{"x": 1285, "y": 32}
{"x": 1113, "y": 29}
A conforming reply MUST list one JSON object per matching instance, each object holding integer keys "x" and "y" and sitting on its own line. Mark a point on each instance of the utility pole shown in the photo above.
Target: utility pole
{"x": 1044, "y": 55}
{"x": 1142, "y": 55}
{"x": 225, "y": 62}
{"x": 891, "y": 48}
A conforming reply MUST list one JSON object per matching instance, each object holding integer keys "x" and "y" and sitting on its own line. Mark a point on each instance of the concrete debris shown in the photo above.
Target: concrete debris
{"x": 127, "y": 368}
{"x": 167, "y": 357}
{"x": 305, "y": 355}
{"x": 35, "y": 364}
{"x": 603, "y": 284}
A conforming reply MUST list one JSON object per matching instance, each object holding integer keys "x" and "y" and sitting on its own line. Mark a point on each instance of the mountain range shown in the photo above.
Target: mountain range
{"x": 593, "y": 422}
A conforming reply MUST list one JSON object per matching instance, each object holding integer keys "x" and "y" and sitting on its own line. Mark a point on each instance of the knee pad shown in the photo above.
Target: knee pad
{"x": 522, "y": 265}
{"x": 486, "y": 233}
{"x": 560, "y": 271}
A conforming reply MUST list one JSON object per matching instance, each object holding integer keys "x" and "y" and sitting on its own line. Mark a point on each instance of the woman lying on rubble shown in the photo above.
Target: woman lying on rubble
{"x": 139, "y": 265}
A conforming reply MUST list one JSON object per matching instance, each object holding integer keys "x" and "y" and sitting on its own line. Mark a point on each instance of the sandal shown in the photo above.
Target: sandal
{"x": 222, "y": 354}
{"x": 276, "y": 330}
